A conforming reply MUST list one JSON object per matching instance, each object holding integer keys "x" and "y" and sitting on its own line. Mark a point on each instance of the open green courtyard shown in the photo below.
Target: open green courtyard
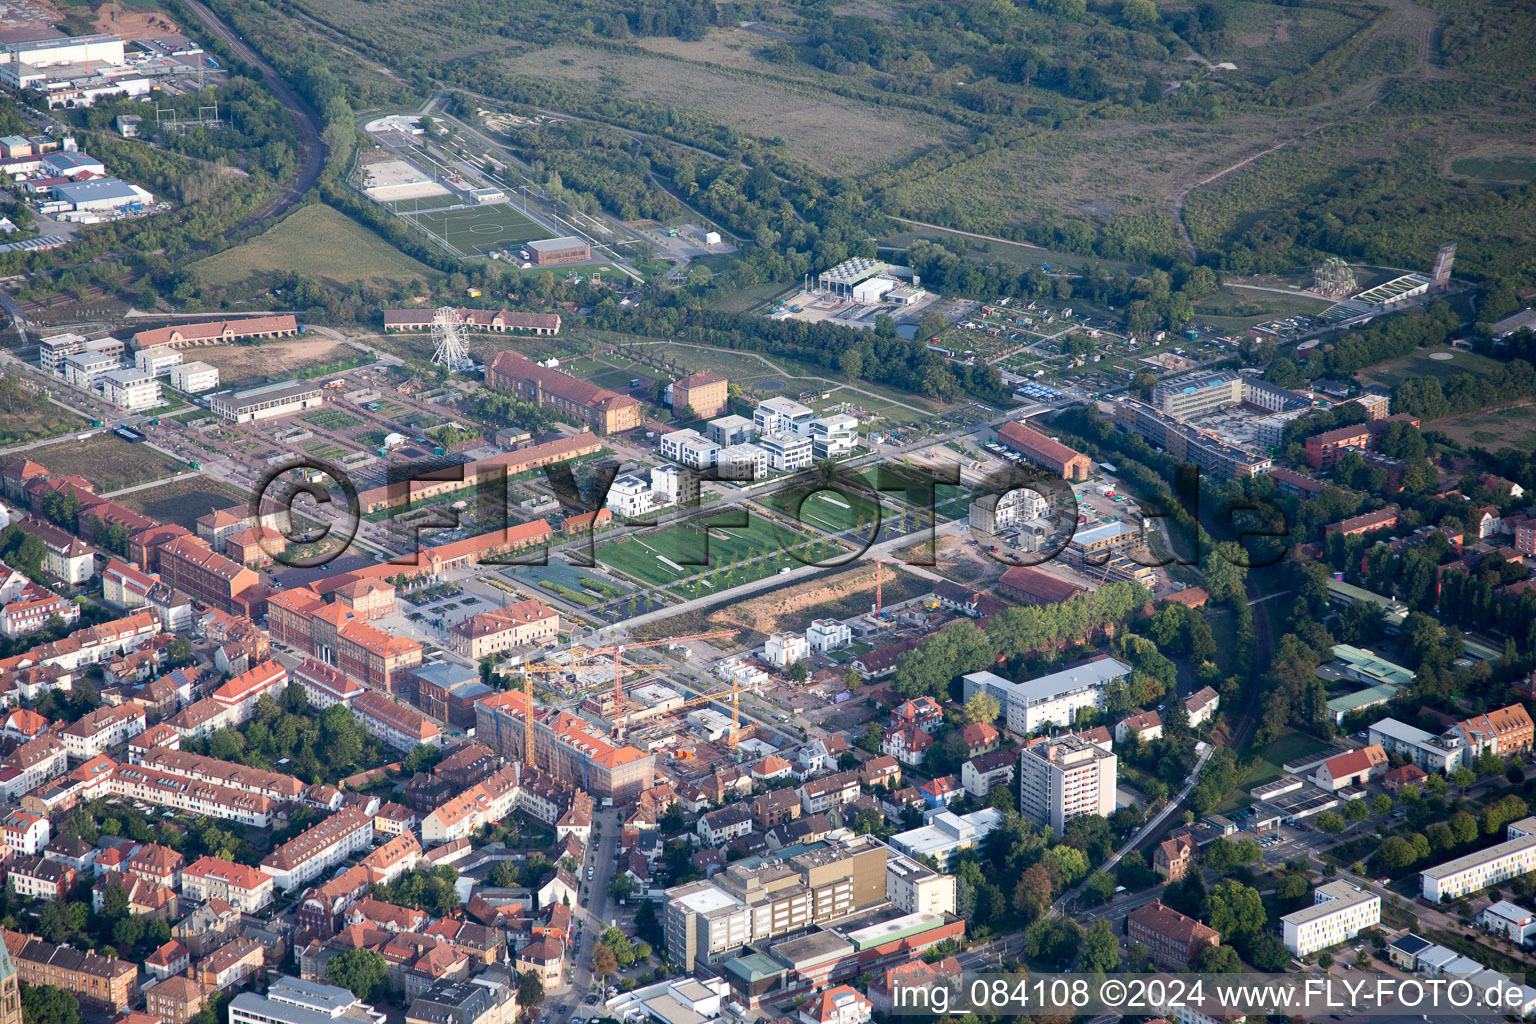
{"x": 714, "y": 554}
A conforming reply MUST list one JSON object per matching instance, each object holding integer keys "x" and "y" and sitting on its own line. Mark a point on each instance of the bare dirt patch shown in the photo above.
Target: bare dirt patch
{"x": 958, "y": 560}
{"x": 273, "y": 358}
{"x": 134, "y": 24}
{"x": 840, "y": 596}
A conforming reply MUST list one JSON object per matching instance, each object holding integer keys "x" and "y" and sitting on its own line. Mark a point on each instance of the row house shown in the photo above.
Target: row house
{"x": 488, "y": 800}
{"x": 36, "y": 608}
{"x": 88, "y": 781}
{"x": 391, "y": 860}
{"x": 156, "y": 736}
{"x": 320, "y": 848}
{"x": 325, "y": 686}
{"x": 102, "y": 729}
{"x": 93, "y": 645}
{"x": 231, "y": 965}
{"x": 241, "y": 886}
{"x": 274, "y": 785}
{"x": 192, "y": 796}
{"x": 240, "y": 694}
{"x": 395, "y": 725}
{"x": 99, "y": 982}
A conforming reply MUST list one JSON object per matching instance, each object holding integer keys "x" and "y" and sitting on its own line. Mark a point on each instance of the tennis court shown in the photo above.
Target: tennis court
{"x": 476, "y": 230}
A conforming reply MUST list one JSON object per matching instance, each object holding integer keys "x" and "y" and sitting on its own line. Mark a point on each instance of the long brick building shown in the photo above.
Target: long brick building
{"x": 190, "y": 565}
{"x": 335, "y": 636}
{"x": 604, "y": 411}
{"x": 217, "y": 332}
{"x": 472, "y": 474}
{"x": 498, "y": 320}
{"x": 1041, "y": 451}
{"x": 99, "y": 982}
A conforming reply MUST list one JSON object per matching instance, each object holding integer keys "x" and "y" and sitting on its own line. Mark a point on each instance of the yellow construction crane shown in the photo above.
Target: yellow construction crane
{"x": 709, "y": 698}
{"x": 617, "y": 650}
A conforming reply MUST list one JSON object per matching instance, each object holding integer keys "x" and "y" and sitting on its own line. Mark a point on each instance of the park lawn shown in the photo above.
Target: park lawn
{"x": 728, "y": 550}
{"x": 183, "y": 501}
{"x": 1287, "y": 747}
{"x": 827, "y": 510}
{"x": 316, "y": 242}
{"x": 1421, "y": 364}
{"x": 107, "y": 461}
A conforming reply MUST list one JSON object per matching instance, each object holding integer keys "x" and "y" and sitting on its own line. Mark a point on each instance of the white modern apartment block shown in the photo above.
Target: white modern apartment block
{"x": 729, "y": 430}
{"x": 782, "y": 416}
{"x": 1511, "y": 858}
{"x": 745, "y": 462}
{"x": 786, "y": 452}
{"x": 157, "y": 359}
{"x": 194, "y": 377}
{"x": 828, "y": 635}
{"x": 1064, "y": 779}
{"x": 84, "y": 369}
{"x": 130, "y": 389}
{"x": 915, "y": 889}
{"x": 630, "y": 497}
{"x": 834, "y": 436}
{"x": 784, "y": 649}
{"x": 1430, "y": 752}
{"x": 1049, "y": 700}
{"x": 689, "y": 448}
{"x": 1341, "y": 911}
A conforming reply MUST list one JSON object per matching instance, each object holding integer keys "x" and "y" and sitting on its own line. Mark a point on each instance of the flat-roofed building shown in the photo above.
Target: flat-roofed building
{"x": 194, "y": 377}
{"x": 130, "y": 389}
{"x": 1432, "y": 753}
{"x": 291, "y": 1000}
{"x": 1514, "y": 857}
{"x": 1197, "y": 394}
{"x": 947, "y": 835}
{"x": 1065, "y": 778}
{"x": 1341, "y": 910}
{"x": 554, "y": 251}
{"x": 1052, "y": 699}
{"x": 285, "y": 398}
{"x": 913, "y": 888}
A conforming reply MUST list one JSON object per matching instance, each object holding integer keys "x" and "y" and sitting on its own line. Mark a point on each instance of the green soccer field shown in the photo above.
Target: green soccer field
{"x": 829, "y": 510}
{"x": 477, "y": 230}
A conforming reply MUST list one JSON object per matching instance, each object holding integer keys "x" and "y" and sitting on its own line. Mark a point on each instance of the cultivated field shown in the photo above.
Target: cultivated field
{"x": 183, "y": 501}
{"x": 107, "y": 461}
{"x": 317, "y": 242}
{"x": 477, "y": 230}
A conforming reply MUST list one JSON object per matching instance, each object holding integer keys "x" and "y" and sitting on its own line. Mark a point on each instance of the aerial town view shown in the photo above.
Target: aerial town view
{"x": 789, "y": 512}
